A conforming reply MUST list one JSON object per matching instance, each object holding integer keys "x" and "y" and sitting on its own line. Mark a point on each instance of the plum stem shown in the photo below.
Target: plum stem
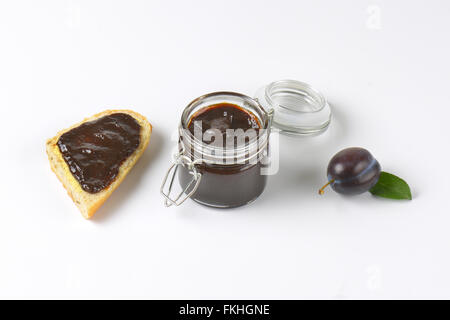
{"x": 321, "y": 190}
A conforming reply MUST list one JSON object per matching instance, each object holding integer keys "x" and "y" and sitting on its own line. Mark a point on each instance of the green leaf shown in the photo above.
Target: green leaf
{"x": 392, "y": 187}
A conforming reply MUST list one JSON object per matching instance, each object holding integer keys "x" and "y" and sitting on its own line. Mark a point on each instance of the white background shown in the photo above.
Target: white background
{"x": 384, "y": 67}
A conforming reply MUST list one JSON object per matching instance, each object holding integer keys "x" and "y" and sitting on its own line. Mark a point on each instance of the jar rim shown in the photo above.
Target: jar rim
{"x": 243, "y": 153}
{"x": 299, "y": 109}
{"x": 319, "y": 98}
{"x": 222, "y": 93}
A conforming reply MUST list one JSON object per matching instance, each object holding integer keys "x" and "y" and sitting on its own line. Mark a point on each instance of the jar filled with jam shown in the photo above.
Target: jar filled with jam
{"x": 224, "y": 141}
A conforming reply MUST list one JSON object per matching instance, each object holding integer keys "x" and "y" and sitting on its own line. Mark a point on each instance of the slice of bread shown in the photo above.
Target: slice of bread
{"x": 88, "y": 203}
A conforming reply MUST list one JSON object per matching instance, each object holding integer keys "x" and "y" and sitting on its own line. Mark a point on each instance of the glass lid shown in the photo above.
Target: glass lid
{"x": 298, "y": 109}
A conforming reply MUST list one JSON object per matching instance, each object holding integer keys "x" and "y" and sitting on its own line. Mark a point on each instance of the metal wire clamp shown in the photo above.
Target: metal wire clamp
{"x": 182, "y": 160}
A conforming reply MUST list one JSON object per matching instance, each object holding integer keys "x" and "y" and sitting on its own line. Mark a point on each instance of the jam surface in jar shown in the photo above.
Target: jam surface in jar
{"x": 222, "y": 117}
{"x": 225, "y": 185}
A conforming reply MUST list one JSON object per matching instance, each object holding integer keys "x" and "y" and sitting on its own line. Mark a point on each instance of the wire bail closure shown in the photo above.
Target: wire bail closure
{"x": 182, "y": 160}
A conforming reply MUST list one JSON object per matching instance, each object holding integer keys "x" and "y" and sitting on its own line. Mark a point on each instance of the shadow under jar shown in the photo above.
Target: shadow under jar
{"x": 223, "y": 146}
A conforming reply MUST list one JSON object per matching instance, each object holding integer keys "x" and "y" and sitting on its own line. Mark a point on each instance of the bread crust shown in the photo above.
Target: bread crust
{"x": 89, "y": 203}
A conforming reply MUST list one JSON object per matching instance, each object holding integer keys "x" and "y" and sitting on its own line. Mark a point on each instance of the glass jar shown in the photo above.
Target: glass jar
{"x": 230, "y": 174}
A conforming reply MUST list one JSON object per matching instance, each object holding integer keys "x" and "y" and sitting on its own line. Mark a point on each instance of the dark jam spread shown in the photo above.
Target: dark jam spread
{"x": 95, "y": 150}
{"x": 222, "y": 117}
{"x": 225, "y": 185}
